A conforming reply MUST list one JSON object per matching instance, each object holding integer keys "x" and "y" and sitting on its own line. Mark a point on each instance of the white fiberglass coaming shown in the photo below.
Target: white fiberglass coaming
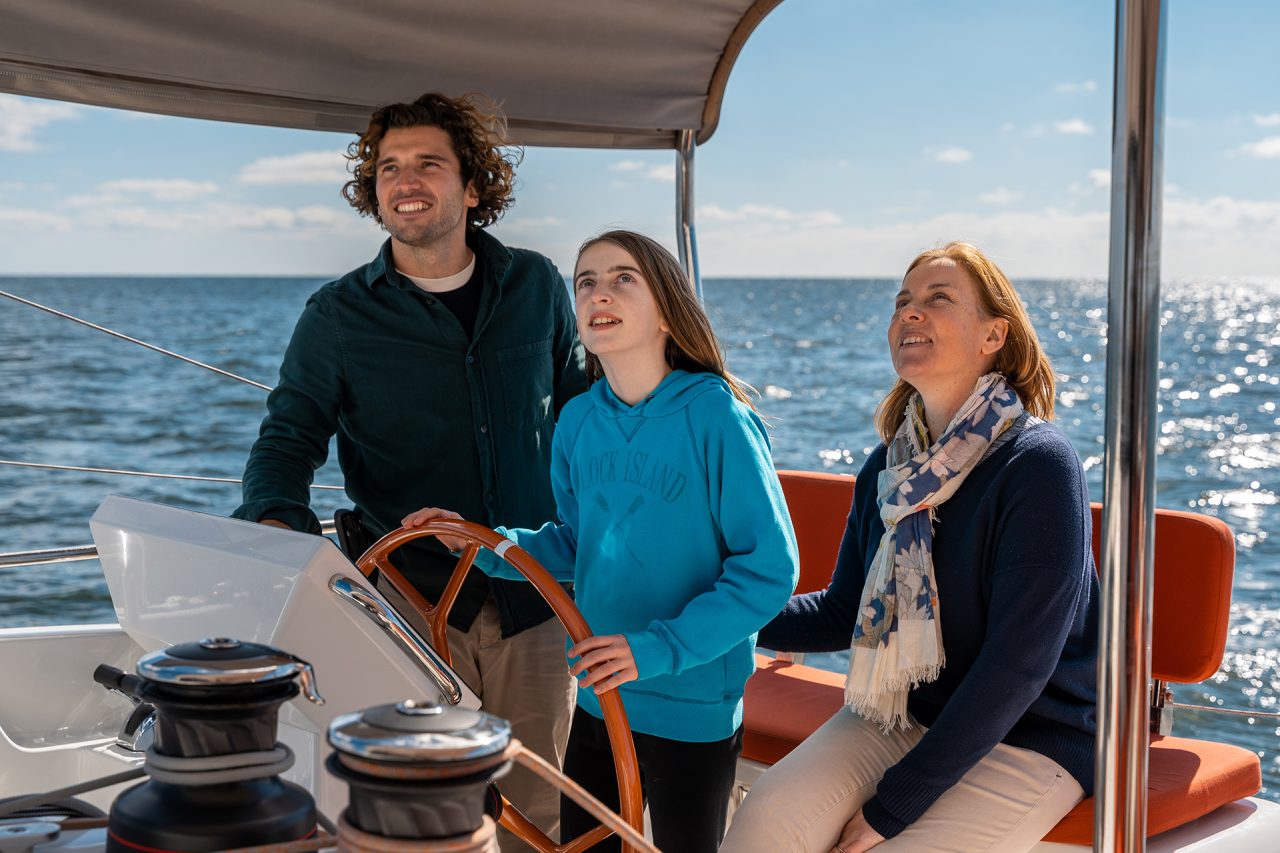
{"x": 176, "y": 575}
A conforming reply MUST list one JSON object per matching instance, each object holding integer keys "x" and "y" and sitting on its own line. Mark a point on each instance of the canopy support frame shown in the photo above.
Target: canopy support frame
{"x": 1128, "y": 514}
{"x": 686, "y": 231}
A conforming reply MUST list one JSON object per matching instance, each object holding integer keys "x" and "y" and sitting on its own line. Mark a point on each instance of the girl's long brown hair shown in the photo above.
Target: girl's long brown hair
{"x": 1021, "y": 360}
{"x": 692, "y": 345}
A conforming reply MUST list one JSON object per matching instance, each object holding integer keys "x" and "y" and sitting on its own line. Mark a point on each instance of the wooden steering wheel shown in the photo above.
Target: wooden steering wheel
{"x": 615, "y": 716}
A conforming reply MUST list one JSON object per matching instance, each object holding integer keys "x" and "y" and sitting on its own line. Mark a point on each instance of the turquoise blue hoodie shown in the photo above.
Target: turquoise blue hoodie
{"x": 675, "y": 533}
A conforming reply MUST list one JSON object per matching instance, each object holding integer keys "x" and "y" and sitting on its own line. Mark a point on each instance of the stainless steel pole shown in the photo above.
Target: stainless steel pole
{"x": 1133, "y": 320}
{"x": 686, "y": 234}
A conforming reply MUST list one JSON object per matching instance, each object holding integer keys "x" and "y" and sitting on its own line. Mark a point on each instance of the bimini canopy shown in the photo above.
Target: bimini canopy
{"x": 585, "y": 73}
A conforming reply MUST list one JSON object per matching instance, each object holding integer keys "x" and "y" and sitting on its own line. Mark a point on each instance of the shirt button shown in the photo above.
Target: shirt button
{"x": 488, "y": 497}
{"x": 471, "y": 359}
{"x": 484, "y": 427}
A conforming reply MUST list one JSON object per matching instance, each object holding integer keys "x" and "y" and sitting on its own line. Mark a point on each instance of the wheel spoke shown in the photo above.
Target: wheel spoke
{"x": 615, "y": 716}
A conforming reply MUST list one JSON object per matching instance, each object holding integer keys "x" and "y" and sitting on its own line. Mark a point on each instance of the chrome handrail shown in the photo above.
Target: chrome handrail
{"x": 77, "y": 553}
{"x": 386, "y": 617}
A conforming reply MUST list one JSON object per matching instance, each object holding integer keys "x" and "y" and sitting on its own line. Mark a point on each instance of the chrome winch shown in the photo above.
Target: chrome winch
{"x": 419, "y": 774}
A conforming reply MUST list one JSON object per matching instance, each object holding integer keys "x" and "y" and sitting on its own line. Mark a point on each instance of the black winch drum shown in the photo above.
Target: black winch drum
{"x": 217, "y": 703}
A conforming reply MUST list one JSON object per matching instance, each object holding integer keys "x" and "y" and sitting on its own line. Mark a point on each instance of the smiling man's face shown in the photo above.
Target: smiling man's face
{"x": 421, "y": 197}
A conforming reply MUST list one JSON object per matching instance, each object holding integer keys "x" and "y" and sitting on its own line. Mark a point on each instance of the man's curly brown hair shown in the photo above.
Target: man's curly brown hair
{"x": 478, "y": 131}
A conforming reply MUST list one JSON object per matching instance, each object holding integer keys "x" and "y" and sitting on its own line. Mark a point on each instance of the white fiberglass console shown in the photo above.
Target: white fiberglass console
{"x": 177, "y": 576}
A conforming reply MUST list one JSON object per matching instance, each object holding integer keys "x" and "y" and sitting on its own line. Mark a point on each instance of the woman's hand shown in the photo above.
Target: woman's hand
{"x": 422, "y": 516}
{"x": 606, "y": 659}
{"x": 857, "y": 836}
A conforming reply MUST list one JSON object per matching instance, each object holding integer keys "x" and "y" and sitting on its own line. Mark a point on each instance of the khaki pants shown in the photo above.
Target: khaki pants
{"x": 1006, "y": 803}
{"x": 525, "y": 680}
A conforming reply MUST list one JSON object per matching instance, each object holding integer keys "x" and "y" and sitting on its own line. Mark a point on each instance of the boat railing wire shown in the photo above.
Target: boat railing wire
{"x": 170, "y": 353}
{"x": 75, "y": 553}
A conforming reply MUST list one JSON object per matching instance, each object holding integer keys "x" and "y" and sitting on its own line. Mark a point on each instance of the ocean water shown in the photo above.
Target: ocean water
{"x": 815, "y": 349}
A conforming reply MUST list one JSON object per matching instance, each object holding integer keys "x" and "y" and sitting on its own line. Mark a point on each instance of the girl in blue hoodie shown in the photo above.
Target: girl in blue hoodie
{"x": 673, "y": 529}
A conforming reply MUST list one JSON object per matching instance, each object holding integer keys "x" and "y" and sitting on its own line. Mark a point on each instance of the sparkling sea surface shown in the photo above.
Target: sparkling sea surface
{"x": 70, "y": 395}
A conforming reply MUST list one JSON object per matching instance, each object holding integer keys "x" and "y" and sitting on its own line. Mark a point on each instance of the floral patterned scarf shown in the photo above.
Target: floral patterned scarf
{"x": 897, "y": 641}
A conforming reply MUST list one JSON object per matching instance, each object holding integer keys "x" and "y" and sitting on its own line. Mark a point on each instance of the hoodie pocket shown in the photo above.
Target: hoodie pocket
{"x": 703, "y": 684}
{"x": 527, "y": 383}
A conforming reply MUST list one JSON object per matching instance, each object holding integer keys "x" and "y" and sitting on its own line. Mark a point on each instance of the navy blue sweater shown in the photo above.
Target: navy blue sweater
{"x": 1018, "y": 603}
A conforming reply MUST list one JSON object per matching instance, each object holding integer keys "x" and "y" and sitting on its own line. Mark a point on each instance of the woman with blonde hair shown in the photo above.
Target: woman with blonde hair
{"x": 966, "y": 592}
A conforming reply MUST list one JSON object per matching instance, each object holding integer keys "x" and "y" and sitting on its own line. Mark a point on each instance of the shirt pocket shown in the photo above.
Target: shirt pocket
{"x": 527, "y": 380}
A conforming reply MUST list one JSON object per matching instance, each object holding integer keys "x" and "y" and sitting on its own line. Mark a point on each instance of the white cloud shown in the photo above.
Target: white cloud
{"x": 1000, "y": 195}
{"x": 306, "y": 167}
{"x": 1266, "y": 149}
{"x": 160, "y": 189}
{"x": 1271, "y": 120}
{"x": 1076, "y": 126}
{"x": 16, "y": 219}
{"x": 1071, "y": 88}
{"x": 953, "y": 155}
{"x": 1216, "y": 237}
{"x": 766, "y": 214}
{"x": 1100, "y": 178}
{"x": 1047, "y": 242}
{"x": 215, "y": 218}
{"x": 664, "y": 173}
{"x": 1222, "y": 214}
{"x": 21, "y": 118}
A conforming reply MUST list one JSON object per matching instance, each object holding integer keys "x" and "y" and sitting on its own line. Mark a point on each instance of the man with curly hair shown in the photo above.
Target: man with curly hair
{"x": 441, "y": 366}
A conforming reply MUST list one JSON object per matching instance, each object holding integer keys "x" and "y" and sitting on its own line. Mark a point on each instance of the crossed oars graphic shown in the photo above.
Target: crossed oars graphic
{"x": 617, "y": 522}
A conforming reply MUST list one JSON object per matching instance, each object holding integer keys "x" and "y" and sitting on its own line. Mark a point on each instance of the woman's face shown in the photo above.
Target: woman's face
{"x": 617, "y": 314}
{"x": 939, "y": 336}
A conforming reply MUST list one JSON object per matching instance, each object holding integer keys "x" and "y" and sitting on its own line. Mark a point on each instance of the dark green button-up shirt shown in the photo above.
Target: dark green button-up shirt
{"x": 425, "y": 416}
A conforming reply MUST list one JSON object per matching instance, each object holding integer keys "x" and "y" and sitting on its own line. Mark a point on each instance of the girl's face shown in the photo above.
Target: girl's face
{"x": 617, "y": 314}
{"x": 939, "y": 336}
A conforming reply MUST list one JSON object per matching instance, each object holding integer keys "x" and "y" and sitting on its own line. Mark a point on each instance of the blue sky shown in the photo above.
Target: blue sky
{"x": 853, "y": 134}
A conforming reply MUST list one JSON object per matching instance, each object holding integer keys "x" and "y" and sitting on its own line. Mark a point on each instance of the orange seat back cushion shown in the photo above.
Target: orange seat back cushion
{"x": 1195, "y": 560}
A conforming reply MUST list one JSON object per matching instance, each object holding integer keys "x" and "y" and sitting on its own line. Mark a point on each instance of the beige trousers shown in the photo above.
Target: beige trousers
{"x": 525, "y": 680}
{"x": 1006, "y": 803}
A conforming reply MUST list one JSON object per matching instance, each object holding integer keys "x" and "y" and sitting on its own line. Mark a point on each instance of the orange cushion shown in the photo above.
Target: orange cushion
{"x": 1186, "y": 779}
{"x": 819, "y": 505}
{"x": 1194, "y": 562}
{"x": 1194, "y": 558}
{"x": 784, "y": 703}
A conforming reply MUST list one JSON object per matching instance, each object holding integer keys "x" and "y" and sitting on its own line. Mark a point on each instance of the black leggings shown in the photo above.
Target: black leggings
{"x": 687, "y": 785}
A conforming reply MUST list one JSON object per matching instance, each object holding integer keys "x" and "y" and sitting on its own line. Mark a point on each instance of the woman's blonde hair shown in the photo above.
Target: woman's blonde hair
{"x": 692, "y": 344}
{"x": 1021, "y": 360}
